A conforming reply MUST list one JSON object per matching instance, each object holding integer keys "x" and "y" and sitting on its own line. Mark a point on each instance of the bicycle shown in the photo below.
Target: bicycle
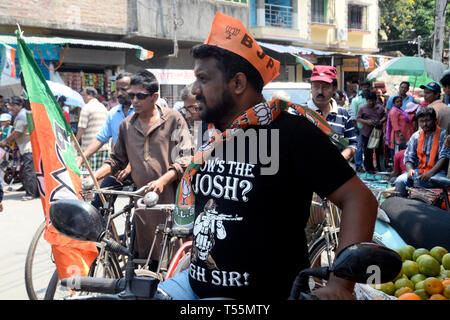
{"x": 41, "y": 277}
{"x": 137, "y": 276}
{"x": 107, "y": 264}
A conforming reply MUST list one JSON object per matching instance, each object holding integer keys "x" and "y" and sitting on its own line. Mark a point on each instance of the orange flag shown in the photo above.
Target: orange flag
{"x": 55, "y": 163}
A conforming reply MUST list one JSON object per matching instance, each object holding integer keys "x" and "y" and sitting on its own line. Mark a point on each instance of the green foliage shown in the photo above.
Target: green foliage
{"x": 399, "y": 17}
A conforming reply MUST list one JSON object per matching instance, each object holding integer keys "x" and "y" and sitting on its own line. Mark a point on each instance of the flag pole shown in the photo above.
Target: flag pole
{"x": 86, "y": 163}
{"x": 102, "y": 197}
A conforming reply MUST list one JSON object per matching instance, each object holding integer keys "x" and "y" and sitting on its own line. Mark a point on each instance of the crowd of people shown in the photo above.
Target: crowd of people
{"x": 367, "y": 132}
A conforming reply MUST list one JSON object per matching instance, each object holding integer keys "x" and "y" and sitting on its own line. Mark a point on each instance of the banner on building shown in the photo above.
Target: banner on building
{"x": 7, "y": 64}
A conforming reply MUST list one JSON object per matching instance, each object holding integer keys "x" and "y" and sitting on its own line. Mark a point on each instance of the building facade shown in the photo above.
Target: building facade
{"x": 88, "y": 42}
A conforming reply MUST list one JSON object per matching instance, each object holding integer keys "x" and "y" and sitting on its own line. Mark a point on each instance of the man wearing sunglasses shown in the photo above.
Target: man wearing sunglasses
{"x": 155, "y": 142}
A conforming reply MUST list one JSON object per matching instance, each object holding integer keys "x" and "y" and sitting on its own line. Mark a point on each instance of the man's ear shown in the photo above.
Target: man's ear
{"x": 239, "y": 83}
{"x": 155, "y": 97}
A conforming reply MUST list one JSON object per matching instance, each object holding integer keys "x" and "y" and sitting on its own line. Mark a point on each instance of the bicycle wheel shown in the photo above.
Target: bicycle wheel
{"x": 39, "y": 265}
{"x": 321, "y": 255}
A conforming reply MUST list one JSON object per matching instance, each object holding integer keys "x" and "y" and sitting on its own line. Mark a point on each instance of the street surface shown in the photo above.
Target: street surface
{"x": 18, "y": 223}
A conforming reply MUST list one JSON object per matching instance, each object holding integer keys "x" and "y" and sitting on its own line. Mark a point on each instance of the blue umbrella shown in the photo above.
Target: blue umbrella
{"x": 73, "y": 98}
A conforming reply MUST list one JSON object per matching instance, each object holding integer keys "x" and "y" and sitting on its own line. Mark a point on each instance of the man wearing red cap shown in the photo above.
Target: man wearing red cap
{"x": 323, "y": 89}
{"x": 234, "y": 199}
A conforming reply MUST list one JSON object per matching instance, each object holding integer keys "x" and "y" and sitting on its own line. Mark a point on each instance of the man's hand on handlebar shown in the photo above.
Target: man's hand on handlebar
{"x": 156, "y": 186}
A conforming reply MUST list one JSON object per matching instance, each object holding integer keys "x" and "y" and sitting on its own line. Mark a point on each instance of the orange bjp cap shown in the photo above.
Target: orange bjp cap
{"x": 230, "y": 34}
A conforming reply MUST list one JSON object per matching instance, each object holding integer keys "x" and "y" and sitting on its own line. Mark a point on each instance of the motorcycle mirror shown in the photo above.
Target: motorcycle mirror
{"x": 362, "y": 261}
{"x": 77, "y": 219}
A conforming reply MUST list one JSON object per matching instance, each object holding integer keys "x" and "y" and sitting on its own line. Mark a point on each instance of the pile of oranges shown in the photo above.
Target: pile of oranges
{"x": 434, "y": 289}
{"x": 425, "y": 275}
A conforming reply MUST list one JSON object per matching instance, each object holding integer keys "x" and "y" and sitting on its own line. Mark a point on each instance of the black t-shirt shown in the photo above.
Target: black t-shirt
{"x": 252, "y": 206}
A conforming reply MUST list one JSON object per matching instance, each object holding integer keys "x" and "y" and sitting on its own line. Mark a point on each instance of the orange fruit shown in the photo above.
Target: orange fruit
{"x": 437, "y": 296}
{"x": 446, "y": 261}
{"x": 418, "y": 252}
{"x": 429, "y": 266}
{"x": 438, "y": 252}
{"x": 409, "y": 296}
{"x": 445, "y": 282}
{"x": 410, "y": 268}
{"x": 402, "y": 282}
{"x": 422, "y": 294}
{"x": 447, "y": 291}
{"x": 402, "y": 291}
{"x": 433, "y": 285}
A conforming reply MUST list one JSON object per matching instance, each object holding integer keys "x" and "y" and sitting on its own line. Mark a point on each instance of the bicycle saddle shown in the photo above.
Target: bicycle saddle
{"x": 77, "y": 219}
{"x": 419, "y": 224}
{"x": 440, "y": 182}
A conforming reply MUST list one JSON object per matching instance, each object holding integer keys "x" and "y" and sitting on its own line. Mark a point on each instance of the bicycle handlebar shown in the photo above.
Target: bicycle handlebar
{"x": 98, "y": 285}
{"x": 137, "y": 193}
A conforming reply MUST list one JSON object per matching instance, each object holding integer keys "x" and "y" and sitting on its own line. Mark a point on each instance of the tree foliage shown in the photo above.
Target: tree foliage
{"x": 408, "y": 19}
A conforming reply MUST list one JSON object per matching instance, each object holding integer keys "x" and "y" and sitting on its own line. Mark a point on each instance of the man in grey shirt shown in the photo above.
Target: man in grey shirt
{"x": 21, "y": 136}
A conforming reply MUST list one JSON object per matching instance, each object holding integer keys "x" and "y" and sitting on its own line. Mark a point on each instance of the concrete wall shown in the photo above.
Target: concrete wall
{"x": 97, "y": 16}
{"x": 155, "y": 18}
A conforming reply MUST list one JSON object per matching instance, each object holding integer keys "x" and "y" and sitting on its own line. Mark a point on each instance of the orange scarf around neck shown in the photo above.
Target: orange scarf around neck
{"x": 423, "y": 165}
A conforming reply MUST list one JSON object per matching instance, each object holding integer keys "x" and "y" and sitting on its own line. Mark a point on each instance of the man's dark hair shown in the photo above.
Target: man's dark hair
{"x": 229, "y": 64}
{"x": 427, "y": 111}
{"x": 1, "y": 97}
{"x": 340, "y": 94}
{"x": 445, "y": 81}
{"x": 367, "y": 83}
{"x": 371, "y": 96}
{"x": 405, "y": 82}
{"x": 91, "y": 92}
{"x": 123, "y": 75}
{"x": 146, "y": 79}
{"x": 16, "y": 100}
{"x": 62, "y": 99}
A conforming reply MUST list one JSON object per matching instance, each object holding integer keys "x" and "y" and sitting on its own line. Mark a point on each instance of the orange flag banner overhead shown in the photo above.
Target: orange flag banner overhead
{"x": 230, "y": 34}
{"x": 55, "y": 163}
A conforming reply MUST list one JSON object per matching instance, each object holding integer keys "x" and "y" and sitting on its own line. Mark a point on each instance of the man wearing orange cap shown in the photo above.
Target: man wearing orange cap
{"x": 234, "y": 200}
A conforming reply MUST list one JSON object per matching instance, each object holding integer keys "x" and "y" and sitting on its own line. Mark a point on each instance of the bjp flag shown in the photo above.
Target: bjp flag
{"x": 55, "y": 163}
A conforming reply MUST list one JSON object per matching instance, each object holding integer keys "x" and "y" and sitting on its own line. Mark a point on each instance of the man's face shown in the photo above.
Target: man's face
{"x": 371, "y": 102}
{"x": 430, "y": 95}
{"x": 122, "y": 87}
{"x": 14, "y": 108}
{"x": 211, "y": 91}
{"x": 403, "y": 89}
{"x": 322, "y": 92}
{"x": 427, "y": 124}
{"x": 142, "y": 100}
{"x": 446, "y": 89}
{"x": 192, "y": 109}
{"x": 365, "y": 89}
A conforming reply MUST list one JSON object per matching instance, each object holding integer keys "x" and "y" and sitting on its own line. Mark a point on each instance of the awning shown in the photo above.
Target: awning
{"x": 12, "y": 40}
{"x": 294, "y": 49}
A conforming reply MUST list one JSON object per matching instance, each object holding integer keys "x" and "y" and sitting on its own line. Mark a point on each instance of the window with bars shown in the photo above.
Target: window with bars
{"x": 319, "y": 11}
{"x": 323, "y": 11}
{"x": 357, "y": 17}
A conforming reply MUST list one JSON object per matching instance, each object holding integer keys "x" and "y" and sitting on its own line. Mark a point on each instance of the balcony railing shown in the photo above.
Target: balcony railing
{"x": 278, "y": 16}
